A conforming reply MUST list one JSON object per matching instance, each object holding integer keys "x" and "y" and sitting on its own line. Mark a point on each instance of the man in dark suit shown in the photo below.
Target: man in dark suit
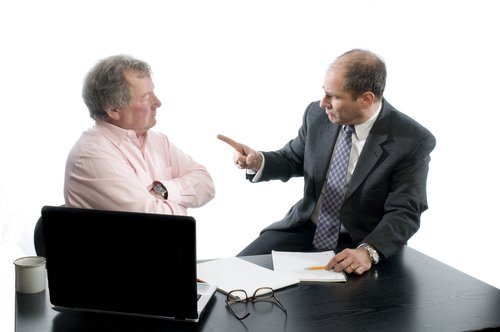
{"x": 385, "y": 187}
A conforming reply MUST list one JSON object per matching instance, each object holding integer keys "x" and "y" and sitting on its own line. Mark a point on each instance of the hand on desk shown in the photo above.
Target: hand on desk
{"x": 351, "y": 261}
{"x": 244, "y": 157}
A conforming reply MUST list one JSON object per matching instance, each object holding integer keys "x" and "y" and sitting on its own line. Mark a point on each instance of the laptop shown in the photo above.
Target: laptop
{"x": 123, "y": 262}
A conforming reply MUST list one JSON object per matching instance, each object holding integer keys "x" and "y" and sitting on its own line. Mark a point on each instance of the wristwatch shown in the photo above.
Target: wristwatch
{"x": 374, "y": 256}
{"x": 159, "y": 189}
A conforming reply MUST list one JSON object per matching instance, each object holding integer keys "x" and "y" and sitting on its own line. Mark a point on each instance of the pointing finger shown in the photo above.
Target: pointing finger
{"x": 237, "y": 146}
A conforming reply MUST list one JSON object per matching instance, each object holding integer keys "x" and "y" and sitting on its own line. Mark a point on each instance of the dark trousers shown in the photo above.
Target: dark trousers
{"x": 297, "y": 239}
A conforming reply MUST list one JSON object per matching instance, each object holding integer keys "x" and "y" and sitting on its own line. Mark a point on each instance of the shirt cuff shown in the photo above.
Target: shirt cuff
{"x": 172, "y": 189}
{"x": 255, "y": 176}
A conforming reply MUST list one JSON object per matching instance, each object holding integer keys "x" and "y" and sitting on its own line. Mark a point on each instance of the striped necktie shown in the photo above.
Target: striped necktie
{"x": 328, "y": 227}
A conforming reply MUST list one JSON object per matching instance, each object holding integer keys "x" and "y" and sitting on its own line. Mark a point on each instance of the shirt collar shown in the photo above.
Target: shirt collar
{"x": 115, "y": 133}
{"x": 363, "y": 129}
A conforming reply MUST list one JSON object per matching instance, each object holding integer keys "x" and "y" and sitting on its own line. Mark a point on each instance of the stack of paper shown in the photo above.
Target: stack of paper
{"x": 235, "y": 273}
{"x": 295, "y": 265}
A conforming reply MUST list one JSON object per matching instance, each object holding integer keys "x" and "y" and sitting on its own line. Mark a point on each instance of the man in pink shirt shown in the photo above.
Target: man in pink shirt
{"x": 120, "y": 163}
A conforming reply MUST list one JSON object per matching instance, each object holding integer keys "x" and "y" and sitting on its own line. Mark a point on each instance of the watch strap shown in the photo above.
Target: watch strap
{"x": 372, "y": 252}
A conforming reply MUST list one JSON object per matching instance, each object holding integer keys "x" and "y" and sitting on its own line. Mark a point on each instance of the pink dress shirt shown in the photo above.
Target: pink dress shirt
{"x": 111, "y": 168}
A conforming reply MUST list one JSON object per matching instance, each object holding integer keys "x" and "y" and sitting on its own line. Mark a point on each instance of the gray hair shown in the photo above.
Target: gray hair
{"x": 105, "y": 85}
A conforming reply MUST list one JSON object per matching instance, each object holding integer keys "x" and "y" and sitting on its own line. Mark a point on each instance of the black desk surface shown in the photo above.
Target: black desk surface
{"x": 408, "y": 292}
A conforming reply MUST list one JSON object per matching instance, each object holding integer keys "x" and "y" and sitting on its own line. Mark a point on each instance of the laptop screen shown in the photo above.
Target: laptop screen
{"x": 123, "y": 262}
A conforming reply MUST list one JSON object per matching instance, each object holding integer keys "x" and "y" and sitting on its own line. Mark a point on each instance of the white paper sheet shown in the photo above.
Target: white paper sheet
{"x": 236, "y": 273}
{"x": 295, "y": 264}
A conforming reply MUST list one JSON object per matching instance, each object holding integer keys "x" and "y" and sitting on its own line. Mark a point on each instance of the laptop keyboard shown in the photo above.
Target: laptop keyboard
{"x": 202, "y": 288}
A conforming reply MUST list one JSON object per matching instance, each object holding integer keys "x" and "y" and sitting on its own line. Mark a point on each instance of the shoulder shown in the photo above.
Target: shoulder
{"x": 91, "y": 145}
{"x": 313, "y": 110}
{"x": 400, "y": 122}
{"x": 402, "y": 130}
{"x": 315, "y": 114}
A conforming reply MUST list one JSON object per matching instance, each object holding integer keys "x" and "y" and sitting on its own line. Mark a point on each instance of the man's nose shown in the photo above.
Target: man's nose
{"x": 324, "y": 103}
{"x": 157, "y": 101}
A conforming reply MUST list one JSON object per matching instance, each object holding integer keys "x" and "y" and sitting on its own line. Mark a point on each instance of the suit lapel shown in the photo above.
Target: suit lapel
{"x": 371, "y": 151}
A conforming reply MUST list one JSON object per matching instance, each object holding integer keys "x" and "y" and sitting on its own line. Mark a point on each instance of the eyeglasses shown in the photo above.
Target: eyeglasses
{"x": 236, "y": 300}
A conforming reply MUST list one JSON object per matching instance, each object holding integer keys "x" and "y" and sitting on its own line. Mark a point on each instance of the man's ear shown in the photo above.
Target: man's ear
{"x": 113, "y": 113}
{"x": 367, "y": 99}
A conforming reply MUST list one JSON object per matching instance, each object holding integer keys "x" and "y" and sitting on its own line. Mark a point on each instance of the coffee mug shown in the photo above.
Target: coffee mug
{"x": 30, "y": 274}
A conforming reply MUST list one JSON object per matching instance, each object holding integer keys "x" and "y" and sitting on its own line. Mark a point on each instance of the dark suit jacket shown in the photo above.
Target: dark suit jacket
{"x": 387, "y": 191}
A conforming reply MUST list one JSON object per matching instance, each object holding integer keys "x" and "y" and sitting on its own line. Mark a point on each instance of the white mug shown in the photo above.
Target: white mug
{"x": 30, "y": 274}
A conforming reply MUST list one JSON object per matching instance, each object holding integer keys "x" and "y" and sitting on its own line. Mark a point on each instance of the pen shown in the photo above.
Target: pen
{"x": 320, "y": 267}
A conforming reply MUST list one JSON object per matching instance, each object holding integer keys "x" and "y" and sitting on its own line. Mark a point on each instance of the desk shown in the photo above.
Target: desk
{"x": 408, "y": 292}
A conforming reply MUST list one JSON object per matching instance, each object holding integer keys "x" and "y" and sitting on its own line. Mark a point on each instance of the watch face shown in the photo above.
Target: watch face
{"x": 160, "y": 189}
{"x": 372, "y": 252}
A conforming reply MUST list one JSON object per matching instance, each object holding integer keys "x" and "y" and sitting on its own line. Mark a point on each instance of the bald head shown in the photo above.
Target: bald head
{"x": 363, "y": 71}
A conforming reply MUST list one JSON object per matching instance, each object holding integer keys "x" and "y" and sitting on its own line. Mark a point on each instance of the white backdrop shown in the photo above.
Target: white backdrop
{"x": 248, "y": 70}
